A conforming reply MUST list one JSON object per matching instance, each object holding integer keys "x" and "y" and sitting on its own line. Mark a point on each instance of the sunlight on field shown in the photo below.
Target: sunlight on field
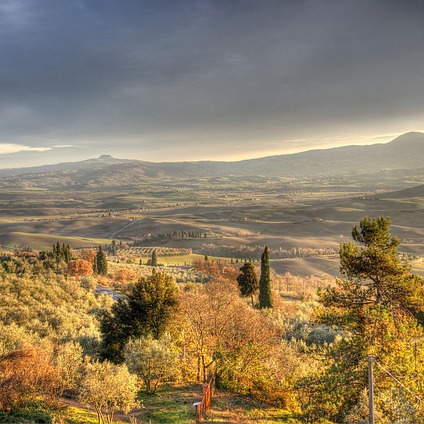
{"x": 189, "y": 259}
{"x": 45, "y": 241}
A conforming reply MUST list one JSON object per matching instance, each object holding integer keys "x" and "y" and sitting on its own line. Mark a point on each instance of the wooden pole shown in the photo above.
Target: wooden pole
{"x": 199, "y": 414}
{"x": 371, "y": 390}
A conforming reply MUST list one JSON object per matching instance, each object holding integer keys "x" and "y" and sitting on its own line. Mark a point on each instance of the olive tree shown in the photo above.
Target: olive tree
{"x": 151, "y": 360}
{"x": 108, "y": 387}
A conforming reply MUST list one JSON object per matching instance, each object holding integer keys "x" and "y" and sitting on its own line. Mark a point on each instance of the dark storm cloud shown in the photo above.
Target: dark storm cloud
{"x": 168, "y": 76}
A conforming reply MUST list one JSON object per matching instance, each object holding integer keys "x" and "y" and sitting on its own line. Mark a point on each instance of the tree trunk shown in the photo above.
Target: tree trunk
{"x": 198, "y": 368}
{"x": 203, "y": 368}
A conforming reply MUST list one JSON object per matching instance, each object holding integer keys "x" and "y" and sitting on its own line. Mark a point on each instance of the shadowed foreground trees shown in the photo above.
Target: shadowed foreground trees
{"x": 148, "y": 310}
{"x": 373, "y": 305}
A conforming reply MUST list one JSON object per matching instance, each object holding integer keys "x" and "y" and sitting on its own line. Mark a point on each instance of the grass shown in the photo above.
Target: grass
{"x": 228, "y": 408}
{"x": 78, "y": 415}
{"x": 174, "y": 404}
{"x": 171, "y": 404}
{"x": 75, "y": 415}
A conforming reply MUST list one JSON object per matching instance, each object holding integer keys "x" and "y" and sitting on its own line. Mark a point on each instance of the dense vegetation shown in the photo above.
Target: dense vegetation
{"x": 276, "y": 339}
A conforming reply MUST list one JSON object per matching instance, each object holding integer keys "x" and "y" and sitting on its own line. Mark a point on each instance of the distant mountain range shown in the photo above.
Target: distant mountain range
{"x": 404, "y": 152}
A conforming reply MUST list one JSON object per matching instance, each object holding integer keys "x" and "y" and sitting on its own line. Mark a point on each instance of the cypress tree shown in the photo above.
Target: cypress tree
{"x": 154, "y": 261}
{"x": 113, "y": 247}
{"x": 265, "y": 293}
{"x": 67, "y": 253}
{"x": 101, "y": 261}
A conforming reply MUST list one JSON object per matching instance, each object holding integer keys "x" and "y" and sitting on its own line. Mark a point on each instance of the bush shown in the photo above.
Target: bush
{"x": 27, "y": 417}
{"x": 26, "y": 375}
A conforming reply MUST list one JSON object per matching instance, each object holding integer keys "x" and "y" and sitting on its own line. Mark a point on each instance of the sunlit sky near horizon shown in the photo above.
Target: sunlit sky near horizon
{"x": 167, "y": 80}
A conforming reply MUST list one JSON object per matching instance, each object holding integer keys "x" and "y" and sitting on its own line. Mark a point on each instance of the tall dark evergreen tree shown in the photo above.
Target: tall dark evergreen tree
{"x": 154, "y": 260}
{"x": 148, "y": 310}
{"x": 248, "y": 281}
{"x": 265, "y": 292}
{"x": 152, "y": 303}
{"x": 116, "y": 330}
{"x": 67, "y": 253}
{"x": 57, "y": 253}
{"x": 113, "y": 248}
{"x": 100, "y": 262}
{"x": 61, "y": 253}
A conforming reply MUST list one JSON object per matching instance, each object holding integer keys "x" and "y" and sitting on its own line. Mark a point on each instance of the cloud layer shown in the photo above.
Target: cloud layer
{"x": 168, "y": 80}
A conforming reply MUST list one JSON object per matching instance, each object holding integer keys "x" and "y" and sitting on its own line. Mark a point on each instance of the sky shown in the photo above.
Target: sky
{"x": 174, "y": 80}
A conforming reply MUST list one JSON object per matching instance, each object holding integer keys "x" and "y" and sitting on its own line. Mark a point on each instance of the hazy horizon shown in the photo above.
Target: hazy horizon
{"x": 122, "y": 157}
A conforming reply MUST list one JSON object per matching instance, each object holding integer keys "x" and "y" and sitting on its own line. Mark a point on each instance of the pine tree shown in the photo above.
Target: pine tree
{"x": 248, "y": 281}
{"x": 148, "y": 310}
{"x": 265, "y": 293}
{"x": 374, "y": 307}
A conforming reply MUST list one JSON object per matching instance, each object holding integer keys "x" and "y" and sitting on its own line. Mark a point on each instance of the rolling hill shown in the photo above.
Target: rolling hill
{"x": 404, "y": 153}
{"x": 308, "y": 200}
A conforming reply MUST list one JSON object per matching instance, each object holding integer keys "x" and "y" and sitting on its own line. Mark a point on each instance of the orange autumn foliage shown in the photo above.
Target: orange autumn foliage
{"x": 80, "y": 267}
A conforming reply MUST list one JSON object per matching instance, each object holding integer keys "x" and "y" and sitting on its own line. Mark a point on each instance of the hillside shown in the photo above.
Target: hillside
{"x": 405, "y": 152}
